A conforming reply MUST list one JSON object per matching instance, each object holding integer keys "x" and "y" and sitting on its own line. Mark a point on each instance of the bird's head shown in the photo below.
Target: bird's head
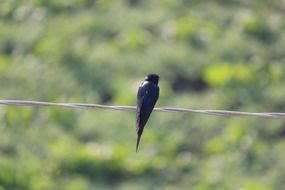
{"x": 154, "y": 78}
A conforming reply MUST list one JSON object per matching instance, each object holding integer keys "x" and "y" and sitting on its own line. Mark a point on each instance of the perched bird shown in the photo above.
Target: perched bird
{"x": 147, "y": 96}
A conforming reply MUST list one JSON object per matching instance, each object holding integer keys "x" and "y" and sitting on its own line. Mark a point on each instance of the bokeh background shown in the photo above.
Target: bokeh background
{"x": 214, "y": 54}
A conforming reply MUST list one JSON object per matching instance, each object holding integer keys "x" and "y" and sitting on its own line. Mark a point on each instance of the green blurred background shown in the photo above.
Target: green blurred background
{"x": 214, "y": 54}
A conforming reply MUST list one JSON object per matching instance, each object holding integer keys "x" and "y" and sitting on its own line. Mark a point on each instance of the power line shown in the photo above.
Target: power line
{"x": 133, "y": 108}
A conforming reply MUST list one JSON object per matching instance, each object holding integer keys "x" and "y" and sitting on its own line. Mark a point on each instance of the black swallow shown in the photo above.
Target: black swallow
{"x": 147, "y": 96}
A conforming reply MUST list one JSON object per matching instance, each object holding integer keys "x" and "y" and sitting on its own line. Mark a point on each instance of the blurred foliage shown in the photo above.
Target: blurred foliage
{"x": 210, "y": 55}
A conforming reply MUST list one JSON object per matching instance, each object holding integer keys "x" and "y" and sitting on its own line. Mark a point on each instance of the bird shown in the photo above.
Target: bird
{"x": 147, "y": 97}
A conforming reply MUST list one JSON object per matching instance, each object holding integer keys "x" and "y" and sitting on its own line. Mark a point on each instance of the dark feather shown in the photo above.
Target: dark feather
{"x": 147, "y": 96}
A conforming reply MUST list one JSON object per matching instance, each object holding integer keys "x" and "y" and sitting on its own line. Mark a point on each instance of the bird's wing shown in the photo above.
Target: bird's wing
{"x": 147, "y": 97}
{"x": 140, "y": 98}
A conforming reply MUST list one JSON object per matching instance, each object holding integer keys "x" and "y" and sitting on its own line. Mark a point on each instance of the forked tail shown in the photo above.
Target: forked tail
{"x": 138, "y": 142}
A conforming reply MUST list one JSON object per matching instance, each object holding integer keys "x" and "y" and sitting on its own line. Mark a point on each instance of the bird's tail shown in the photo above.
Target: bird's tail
{"x": 138, "y": 142}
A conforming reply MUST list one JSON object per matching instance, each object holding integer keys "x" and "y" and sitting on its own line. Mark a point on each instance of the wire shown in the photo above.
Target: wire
{"x": 133, "y": 108}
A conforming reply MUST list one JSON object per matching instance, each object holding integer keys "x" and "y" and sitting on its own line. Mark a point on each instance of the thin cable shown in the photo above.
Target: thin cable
{"x": 133, "y": 108}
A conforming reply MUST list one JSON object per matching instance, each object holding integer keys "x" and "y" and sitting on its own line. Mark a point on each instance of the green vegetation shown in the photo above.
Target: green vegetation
{"x": 210, "y": 55}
